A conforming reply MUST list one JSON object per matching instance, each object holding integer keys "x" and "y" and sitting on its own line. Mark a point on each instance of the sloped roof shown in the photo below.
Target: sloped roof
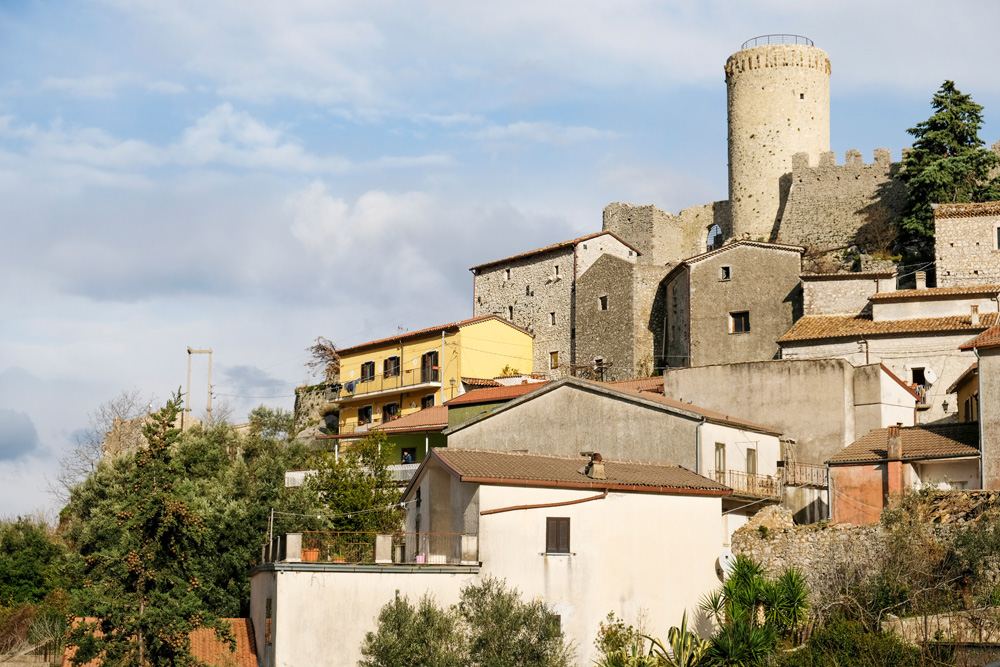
{"x": 429, "y": 419}
{"x": 493, "y": 394}
{"x": 641, "y": 384}
{"x": 410, "y": 335}
{"x": 557, "y": 246}
{"x": 973, "y": 210}
{"x": 848, "y": 276}
{"x": 481, "y": 382}
{"x": 730, "y": 246}
{"x": 930, "y": 441}
{"x": 621, "y": 392}
{"x": 204, "y": 645}
{"x": 989, "y": 338}
{"x": 971, "y": 370}
{"x": 819, "y": 327}
{"x": 521, "y": 469}
{"x": 936, "y": 293}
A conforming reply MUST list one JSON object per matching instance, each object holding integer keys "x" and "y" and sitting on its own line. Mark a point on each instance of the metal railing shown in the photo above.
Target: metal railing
{"x": 410, "y": 377}
{"x": 361, "y": 548}
{"x": 804, "y": 474}
{"x": 764, "y": 40}
{"x": 402, "y": 472}
{"x": 748, "y": 484}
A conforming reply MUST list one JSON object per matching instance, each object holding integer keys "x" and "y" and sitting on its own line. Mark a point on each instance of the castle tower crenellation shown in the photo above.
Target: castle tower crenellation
{"x": 778, "y": 90}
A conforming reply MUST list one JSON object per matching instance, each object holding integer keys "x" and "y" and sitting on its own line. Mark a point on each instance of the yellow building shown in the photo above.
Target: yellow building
{"x": 392, "y": 377}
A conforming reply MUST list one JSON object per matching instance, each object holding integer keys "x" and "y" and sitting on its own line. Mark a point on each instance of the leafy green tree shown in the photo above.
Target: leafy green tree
{"x": 31, "y": 561}
{"x": 143, "y": 588}
{"x": 948, "y": 163}
{"x": 358, "y": 489}
{"x": 490, "y": 627}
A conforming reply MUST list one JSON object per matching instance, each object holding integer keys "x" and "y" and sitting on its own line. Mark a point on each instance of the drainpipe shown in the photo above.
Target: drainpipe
{"x": 697, "y": 445}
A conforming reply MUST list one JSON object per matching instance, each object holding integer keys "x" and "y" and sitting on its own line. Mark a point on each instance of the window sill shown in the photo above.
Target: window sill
{"x": 738, "y": 333}
{"x": 547, "y": 553}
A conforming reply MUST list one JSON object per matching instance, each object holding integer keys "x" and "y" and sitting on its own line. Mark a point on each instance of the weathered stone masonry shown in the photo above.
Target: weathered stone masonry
{"x": 965, "y": 244}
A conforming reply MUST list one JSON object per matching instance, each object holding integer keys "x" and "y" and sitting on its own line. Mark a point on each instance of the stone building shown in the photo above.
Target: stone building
{"x": 986, "y": 348}
{"x": 730, "y": 304}
{"x": 967, "y": 244}
{"x": 536, "y": 290}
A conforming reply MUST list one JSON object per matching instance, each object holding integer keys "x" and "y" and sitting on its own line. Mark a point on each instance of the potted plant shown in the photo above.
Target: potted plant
{"x": 337, "y": 558}
{"x": 310, "y": 555}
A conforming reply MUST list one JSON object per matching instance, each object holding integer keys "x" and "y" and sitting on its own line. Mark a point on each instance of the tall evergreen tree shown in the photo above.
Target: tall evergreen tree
{"x": 948, "y": 163}
{"x": 143, "y": 588}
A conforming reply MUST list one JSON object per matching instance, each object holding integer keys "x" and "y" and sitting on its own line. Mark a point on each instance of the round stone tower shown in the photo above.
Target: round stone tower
{"x": 778, "y": 89}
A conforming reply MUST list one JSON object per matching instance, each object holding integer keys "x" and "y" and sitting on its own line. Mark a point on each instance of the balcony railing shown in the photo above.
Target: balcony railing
{"x": 805, "y": 474}
{"x": 374, "y": 549}
{"x": 748, "y": 484}
{"x": 407, "y": 378}
{"x": 402, "y": 472}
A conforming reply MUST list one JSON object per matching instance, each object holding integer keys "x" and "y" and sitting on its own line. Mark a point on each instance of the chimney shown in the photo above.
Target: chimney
{"x": 895, "y": 443}
{"x": 975, "y": 316}
{"x": 894, "y": 467}
{"x": 921, "y": 280}
{"x": 595, "y": 470}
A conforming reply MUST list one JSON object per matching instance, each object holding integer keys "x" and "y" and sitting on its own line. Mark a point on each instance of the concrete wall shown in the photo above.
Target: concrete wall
{"x": 860, "y": 492}
{"x": 816, "y": 402}
{"x": 944, "y": 475}
{"x": 841, "y": 293}
{"x": 900, "y": 354}
{"x": 836, "y": 206}
{"x": 931, "y": 306}
{"x": 989, "y": 416}
{"x": 762, "y": 281}
{"x": 737, "y": 443}
{"x": 965, "y": 247}
{"x": 779, "y": 105}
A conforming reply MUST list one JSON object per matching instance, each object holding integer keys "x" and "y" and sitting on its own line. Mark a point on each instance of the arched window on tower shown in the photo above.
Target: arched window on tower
{"x": 714, "y": 237}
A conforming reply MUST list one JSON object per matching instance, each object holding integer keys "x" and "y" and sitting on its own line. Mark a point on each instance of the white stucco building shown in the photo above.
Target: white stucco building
{"x": 586, "y": 538}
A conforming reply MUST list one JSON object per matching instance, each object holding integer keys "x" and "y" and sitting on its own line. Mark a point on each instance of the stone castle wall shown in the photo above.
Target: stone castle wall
{"x": 778, "y": 105}
{"x": 663, "y": 237}
{"x": 843, "y": 293}
{"x": 835, "y": 206}
{"x": 966, "y": 240}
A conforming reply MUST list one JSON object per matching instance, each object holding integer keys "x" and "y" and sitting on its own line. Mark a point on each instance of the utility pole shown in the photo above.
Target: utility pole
{"x": 187, "y": 398}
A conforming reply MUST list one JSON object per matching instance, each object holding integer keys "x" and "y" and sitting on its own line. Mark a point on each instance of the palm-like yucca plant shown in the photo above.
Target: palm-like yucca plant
{"x": 686, "y": 648}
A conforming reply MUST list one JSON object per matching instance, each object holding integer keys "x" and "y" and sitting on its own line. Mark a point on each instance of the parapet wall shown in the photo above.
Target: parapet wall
{"x": 663, "y": 237}
{"x": 835, "y": 206}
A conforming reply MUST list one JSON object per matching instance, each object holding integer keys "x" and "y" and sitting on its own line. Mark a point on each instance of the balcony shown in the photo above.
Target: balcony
{"x": 804, "y": 475}
{"x": 408, "y": 379}
{"x": 750, "y": 485}
{"x": 402, "y": 472}
{"x": 353, "y": 548}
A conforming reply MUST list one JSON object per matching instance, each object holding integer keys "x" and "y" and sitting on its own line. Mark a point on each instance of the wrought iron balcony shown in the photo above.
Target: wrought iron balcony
{"x": 804, "y": 474}
{"x": 749, "y": 484}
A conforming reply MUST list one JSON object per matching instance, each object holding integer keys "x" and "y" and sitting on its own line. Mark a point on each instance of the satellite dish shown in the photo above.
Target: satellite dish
{"x": 724, "y": 564}
{"x": 930, "y": 375}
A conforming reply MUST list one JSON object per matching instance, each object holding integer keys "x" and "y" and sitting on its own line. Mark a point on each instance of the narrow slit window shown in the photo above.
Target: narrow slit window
{"x": 602, "y": 302}
{"x": 506, "y": 274}
{"x": 751, "y": 461}
{"x": 510, "y": 313}
{"x": 553, "y": 360}
{"x": 552, "y": 318}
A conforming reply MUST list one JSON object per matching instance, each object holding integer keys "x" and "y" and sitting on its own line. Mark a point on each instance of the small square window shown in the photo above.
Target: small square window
{"x": 917, "y": 376}
{"x": 739, "y": 322}
{"x": 602, "y": 303}
{"x": 368, "y": 371}
{"x": 365, "y": 415}
{"x": 552, "y": 318}
{"x": 427, "y": 402}
{"x": 391, "y": 367}
{"x": 725, "y": 273}
{"x": 553, "y": 360}
{"x": 557, "y": 535}
{"x": 802, "y": 96}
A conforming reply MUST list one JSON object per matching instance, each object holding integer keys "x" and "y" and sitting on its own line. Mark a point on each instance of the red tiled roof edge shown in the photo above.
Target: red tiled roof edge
{"x": 430, "y": 330}
{"x": 971, "y": 210}
{"x": 557, "y": 246}
{"x": 494, "y": 394}
{"x": 935, "y": 293}
{"x": 985, "y": 340}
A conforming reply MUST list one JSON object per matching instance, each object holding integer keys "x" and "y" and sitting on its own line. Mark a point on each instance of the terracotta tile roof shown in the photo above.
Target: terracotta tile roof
{"x": 936, "y": 292}
{"x": 494, "y": 394}
{"x": 481, "y": 382}
{"x": 989, "y": 338}
{"x": 641, "y": 384}
{"x": 847, "y": 276}
{"x": 204, "y": 646}
{"x": 410, "y": 335}
{"x": 974, "y": 210}
{"x": 971, "y": 370}
{"x": 523, "y": 469}
{"x": 819, "y": 327}
{"x": 556, "y": 246}
{"x": 931, "y": 441}
{"x": 428, "y": 419}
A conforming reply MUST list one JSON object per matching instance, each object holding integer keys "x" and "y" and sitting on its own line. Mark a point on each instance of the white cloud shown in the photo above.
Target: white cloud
{"x": 98, "y": 86}
{"x": 543, "y": 133}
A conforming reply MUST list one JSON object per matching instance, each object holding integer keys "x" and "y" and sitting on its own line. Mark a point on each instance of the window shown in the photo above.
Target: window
{"x": 555, "y": 271}
{"x": 917, "y": 376}
{"x": 412, "y": 451}
{"x": 429, "y": 370}
{"x": 365, "y": 415}
{"x": 739, "y": 322}
{"x": 998, "y": 238}
{"x": 720, "y": 457}
{"x": 506, "y": 274}
{"x": 510, "y": 313}
{"x": 802, "y": 96}
{"x": 391, "y": 367}
{"x": 553, "y": 360}
{"x": 552, "y": 318}
{"x": 527, "y": 290}
{"x": 751, "y": 461}
{"x": 368, "y": 371}
{"x": 714, "y": 239}
{"x": 268, "y": 638}
{"x": 725, "y": 273}
{"x": 427, "y": 402}
{"x": 390, "y": 411}
{"x": 602, "y": 303}
{"x": 557, "y": 535}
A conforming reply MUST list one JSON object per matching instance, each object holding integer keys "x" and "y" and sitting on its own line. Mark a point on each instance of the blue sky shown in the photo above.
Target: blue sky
{"x": 247, "y": 175}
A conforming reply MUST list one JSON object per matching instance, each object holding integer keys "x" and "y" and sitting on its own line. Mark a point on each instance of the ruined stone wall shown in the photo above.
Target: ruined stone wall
{"x": 778, "y": 105}
{"x": 965, "y": 244}
{"x": 534, "y": 292}
{"x": 664, "y": 238}
{"x": 836, "y": 206}
{"x": 842, "y": 293}
{"x": 649, "y": 305}
{"x": 678, "y": 330}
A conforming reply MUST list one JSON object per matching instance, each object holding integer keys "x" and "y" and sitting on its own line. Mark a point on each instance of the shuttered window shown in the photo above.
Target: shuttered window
{"x": 557, "y": 535}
